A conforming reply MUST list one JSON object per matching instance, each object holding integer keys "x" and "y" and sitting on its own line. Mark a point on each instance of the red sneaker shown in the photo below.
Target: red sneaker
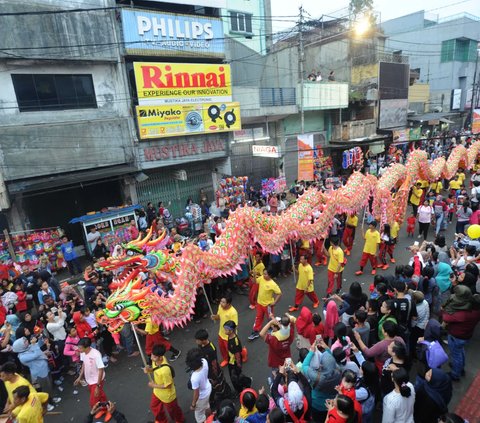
{"x": 359, "y": 272}
{"x": 251, "y": 307}
{"x": 224, "y": 363}
{"x": 374, "y": 272}
{"x": 379, "y": 266}
{"x": 392, "y": 260}
{"x": 347, "y": 252}
{"x": 385, "y": 267}
{"x": 292, "y": 308}
{"x": 315, "y": 305}
{"x": 317, "y": 263}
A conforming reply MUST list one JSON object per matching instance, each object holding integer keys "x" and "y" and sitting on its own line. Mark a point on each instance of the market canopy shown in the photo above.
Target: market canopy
{"x": 103, "y": 215}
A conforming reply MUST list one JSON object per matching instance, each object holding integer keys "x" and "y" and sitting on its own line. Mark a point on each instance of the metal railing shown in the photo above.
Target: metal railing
{"x": 270, "y": 97}
{"x": 379, "y": 57}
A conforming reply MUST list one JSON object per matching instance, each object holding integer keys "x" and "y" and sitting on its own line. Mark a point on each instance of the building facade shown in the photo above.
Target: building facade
{"x": 66, "y": 136}
{"x": 443, "y": 53}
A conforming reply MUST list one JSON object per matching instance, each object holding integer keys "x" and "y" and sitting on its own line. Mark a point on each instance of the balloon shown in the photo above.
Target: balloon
{"x": 473, "y": 231}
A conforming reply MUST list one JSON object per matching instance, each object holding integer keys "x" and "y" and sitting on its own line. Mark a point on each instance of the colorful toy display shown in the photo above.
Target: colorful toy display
{"x": 135, "y": 300}
{"x": 232, "y": 190}
{"x": 31, "y": 246}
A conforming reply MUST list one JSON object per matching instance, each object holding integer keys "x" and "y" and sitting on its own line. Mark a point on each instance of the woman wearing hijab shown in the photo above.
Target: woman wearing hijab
{"x": 331, "y": 319}
{"x": 461, "y": 300}
{"x": 323, "y": 374}
{"x": 442, "y": 277}
{"x": 294, "y": 396}
{"x": 433, "y": 393}
{"x": 432, "y": 333}
{"x": 308, "y": 327}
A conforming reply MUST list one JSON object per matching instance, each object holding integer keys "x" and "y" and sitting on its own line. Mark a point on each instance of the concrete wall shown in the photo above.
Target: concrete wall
{"x": 259, "y": 28}
{"x": 72, "y": 35}
{"x": 423, "y": 45}
{"x": 47, "y": 142}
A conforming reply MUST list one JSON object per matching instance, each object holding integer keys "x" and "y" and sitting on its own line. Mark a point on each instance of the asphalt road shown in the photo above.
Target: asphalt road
{"x": 126, "y": 384}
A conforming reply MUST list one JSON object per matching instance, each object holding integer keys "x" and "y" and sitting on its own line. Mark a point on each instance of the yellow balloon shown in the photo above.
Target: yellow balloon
{"x": 473, "y": 231}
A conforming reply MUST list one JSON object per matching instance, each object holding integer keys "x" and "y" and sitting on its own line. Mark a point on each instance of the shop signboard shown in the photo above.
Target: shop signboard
{"x": 415, "y": 134}
{"x": 401, "y": 136}
{"x": 185, "y": 119}
{"x": 305, "y": 157}
{"x": 165, "y": 34}
{"x": 176, "y": 83}
{"x": 476, "y": 121}
{"x": 272, "y": 151}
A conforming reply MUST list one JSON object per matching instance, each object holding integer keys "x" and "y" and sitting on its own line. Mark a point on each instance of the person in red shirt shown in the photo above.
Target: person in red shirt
{"x": 4, "y": 273}
{"x": 308, "y": 327}
{"x": 460, "y": 327}
{"x": 341, "y": 410}
{"x": 279, "y": 340}
{"x": 347, "y": 388}
{"x": 84, "y": 330}
{"x": 411, "y": 221}
{"x": 22, "y": 298}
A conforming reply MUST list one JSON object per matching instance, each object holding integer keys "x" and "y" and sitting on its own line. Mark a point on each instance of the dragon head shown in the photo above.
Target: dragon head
{"x": 129, "y": 303}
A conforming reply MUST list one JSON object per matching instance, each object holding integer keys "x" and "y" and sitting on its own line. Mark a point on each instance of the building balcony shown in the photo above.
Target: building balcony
{"x": 323, "y": 95}
{"x": 354, "y": 129}
{"x": 375, "y": 57}
{"x": 255, "y": 102}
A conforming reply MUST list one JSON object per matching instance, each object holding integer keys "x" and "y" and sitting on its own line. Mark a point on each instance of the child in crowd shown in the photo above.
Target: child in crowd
{"x": 411, "y": 221}
{"x": 248, "y": 398}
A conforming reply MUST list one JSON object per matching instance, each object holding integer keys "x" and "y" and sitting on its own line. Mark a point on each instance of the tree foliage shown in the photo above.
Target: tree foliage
{"x": 358, "y": 7}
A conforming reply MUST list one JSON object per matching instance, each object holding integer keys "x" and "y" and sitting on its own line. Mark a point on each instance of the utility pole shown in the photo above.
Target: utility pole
{"x": 301, "y": 53}
{"x": 472, "y": 102}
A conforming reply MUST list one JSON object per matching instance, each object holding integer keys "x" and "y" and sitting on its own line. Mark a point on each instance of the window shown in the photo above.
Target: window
{"x": 448, "y": 48}
{"x": 53, "y": 92}
{"x": 459, "y": 50}
{"x": 241, "y": 22}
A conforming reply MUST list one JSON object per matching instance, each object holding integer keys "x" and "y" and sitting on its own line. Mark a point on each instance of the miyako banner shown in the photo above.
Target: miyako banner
{"x": 173, "y": 83}
{"x": 184, "y": 119}
{"x": 305, "y": 157}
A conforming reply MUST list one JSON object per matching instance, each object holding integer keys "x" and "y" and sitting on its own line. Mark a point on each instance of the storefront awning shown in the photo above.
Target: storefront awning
{"x": 104, "y": 215}
{"x": 69, "y": 179}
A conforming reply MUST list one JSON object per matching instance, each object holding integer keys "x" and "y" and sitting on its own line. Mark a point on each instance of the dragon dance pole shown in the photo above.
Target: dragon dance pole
{"x": 293, "y": 263}
{"x": 208, "y": 301}
{"x": 140, "y": 349}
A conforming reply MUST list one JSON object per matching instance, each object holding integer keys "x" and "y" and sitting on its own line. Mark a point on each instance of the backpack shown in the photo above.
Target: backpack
{"x": 435, "y": 354}
{"x": 172, "y": 370}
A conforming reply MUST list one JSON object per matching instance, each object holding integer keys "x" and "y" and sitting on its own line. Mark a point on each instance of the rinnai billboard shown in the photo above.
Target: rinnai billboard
{"x": 173, "y": 83}
{"x": 165, "y": 34}
{"x": 186, "y": 119}
{"x": 217, "y": 4}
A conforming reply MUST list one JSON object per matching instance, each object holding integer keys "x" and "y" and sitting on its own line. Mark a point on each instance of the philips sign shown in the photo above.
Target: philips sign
{"x": 166, "y": 34}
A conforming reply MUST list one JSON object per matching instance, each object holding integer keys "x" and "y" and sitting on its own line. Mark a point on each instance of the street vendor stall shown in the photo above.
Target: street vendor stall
{"x": 113, "y": 225}
{"x": 29, "y": 246}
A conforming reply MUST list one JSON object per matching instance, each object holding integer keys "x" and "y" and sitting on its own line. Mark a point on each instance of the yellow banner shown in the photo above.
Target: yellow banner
{"x": 173, "y": 83}
{"x": 184, "y": 119}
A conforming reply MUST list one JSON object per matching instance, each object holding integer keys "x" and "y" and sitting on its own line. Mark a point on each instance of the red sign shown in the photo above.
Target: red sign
{"x": 181, "y": 150}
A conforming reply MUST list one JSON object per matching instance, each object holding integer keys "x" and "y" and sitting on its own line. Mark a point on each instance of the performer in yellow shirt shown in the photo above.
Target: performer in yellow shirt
{"x": 372, "y": 240}
{"x": 417, "y": 193}
{"x": 226, "y": 311}
{"x": 164, "y": 396}
{"x": 269, "y": 294}
{"x": 28, "y": 405}
{"x": 257, "y": 271}
{"x": 304, "y": 285}
{"x": 436, "y": 187}
{"x": 349, "y": 233}
{"x": 335, "y": 265}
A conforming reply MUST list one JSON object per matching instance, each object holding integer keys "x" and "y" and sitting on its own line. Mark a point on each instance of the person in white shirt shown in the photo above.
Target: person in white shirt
{"x": 56, "y": 327}
{"x": 398, "y": 404}
{"x": 92, "y": 237}
{"x": 424, "y": 214}
{"x": 201, "y": 386}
